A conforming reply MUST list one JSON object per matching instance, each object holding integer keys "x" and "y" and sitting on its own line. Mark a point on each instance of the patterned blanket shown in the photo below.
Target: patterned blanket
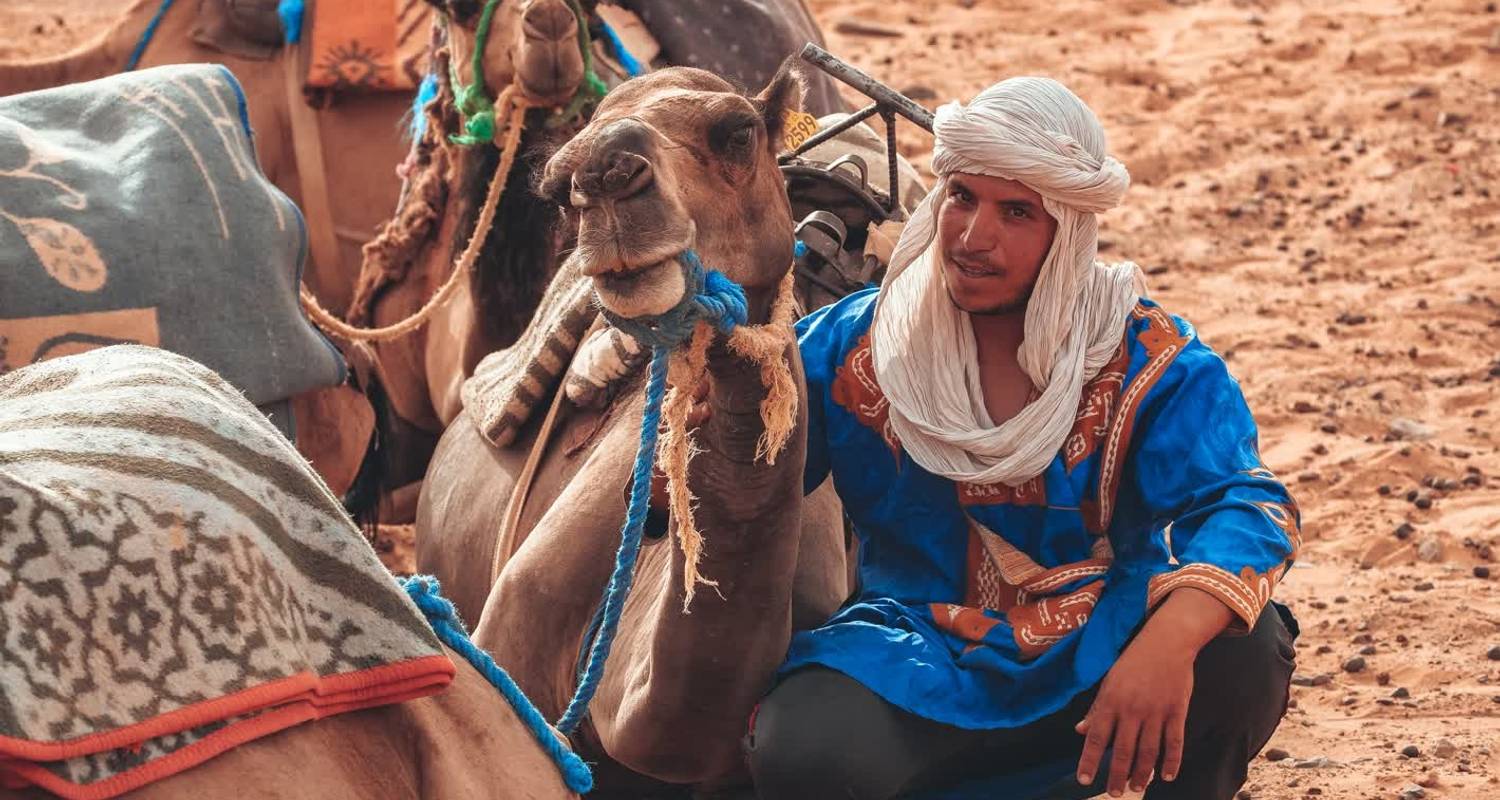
{"x": 132, "y": 210}
{"x": 742, "y": 40}
{"x": 368, "y": 44}
{"x": 174, "y": 580}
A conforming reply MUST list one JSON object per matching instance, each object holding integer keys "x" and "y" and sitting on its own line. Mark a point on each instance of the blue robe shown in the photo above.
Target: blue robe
{"x": 992, "y": 606}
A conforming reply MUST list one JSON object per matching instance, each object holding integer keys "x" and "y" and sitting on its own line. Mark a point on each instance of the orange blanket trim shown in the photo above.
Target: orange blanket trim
{"x": 291, "y": 701}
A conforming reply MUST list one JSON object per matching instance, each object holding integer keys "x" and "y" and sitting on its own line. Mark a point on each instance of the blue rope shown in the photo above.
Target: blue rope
{"x": 426, "y": 91}
{"x": 146, "y": 36}
{"x": 291, "y": 12}
{"x": 632, "y": 67}
{"x": 710, "y": 297}
{"x": 425, "y": 591}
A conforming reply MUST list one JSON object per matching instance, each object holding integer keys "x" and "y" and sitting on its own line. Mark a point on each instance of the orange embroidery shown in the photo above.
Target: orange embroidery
{"x": 1229, "y": 588}
{"x": 854, "y": 387}
{"x": 1248, "y": 592}
{"x": 1030, "y": 493}
{"x": 969, "y": 624}
{"x": 1002, "y": 578}
{"x": 1163, "y": 344}
{"x": 1100, "y": 397}
{"x": 1040, "y": 625}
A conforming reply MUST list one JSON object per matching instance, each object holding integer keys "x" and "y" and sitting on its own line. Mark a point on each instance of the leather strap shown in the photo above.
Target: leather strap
{"x": 508, "y": 540}
{"x": 307, "y": 147}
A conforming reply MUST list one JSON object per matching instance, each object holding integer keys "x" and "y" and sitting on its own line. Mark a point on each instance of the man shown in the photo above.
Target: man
{"x": 1068, "y": 538}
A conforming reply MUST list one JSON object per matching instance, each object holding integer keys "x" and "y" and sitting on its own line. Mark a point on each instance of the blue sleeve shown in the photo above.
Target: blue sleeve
{"x": 1195, "y": 469}
{"x": 824, "y": 339}
{"x": 812, "y": 332}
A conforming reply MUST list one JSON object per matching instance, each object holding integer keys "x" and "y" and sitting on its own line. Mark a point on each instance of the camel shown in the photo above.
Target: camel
{"x": 413, "y": 382}
{"x": 417, "y": 379}
{"x": 673, "y": 160}
{"x": 135, "y": 473}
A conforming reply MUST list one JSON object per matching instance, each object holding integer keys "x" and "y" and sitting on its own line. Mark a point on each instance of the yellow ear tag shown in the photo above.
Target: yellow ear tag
{"x": 797, "y": 127}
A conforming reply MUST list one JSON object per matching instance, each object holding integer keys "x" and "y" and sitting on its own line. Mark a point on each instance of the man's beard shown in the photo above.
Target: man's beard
{"x": 1011, "y": 307}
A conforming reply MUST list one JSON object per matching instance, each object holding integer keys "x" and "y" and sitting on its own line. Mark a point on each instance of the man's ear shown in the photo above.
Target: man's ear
{"x": 781, "y": 98}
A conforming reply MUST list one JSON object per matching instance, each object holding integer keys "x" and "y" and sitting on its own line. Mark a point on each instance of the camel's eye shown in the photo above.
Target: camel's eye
{"x": 742, "y": 137}
{"x": 734, "y": 135}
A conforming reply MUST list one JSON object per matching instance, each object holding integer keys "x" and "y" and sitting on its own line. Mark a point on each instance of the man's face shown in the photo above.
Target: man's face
{"x": 993, "y": 236}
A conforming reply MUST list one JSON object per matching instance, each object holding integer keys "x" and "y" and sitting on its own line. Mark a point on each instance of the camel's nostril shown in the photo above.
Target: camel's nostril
{"x": 625, "y": 174}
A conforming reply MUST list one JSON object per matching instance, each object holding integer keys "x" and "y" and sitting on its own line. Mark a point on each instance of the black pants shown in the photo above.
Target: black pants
{"x": 821, "y": 734}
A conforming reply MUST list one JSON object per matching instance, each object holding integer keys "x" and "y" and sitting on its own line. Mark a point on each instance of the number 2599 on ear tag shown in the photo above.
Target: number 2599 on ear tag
{"x": 798, "y": 126}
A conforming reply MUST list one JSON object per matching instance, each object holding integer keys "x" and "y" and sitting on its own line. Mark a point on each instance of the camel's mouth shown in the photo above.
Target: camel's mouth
{"x": 553, "y": 93}
{"x": 644, "y": 291}
{"x": 629, "y": 280}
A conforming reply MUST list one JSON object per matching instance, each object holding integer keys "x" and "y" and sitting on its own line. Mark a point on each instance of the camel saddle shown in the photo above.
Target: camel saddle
{"x": 367, "y": 45}
{"x": 352, "y": 45}
{"x": 174, "y": 580}
{"x": 132, "y": 211}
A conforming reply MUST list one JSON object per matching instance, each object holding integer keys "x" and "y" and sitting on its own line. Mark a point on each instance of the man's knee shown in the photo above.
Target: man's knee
{"x": 1243, "y": 681}
{"x": 804, "y": 741}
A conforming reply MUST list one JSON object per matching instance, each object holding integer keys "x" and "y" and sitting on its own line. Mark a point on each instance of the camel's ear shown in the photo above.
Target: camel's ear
{"x": 782, "y": 99}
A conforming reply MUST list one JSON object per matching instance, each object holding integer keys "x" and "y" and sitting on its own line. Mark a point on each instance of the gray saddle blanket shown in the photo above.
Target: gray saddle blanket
{"x": 133, "y": 211}
{"x": 741, "y": 40}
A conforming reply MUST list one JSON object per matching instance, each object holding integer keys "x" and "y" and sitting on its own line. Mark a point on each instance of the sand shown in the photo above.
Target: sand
{"x": 1315, "y": 188}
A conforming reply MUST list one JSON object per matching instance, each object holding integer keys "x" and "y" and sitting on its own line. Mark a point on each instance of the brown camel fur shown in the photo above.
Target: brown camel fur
{"x": 533, "y": 44}
{"x": 464, "y": 742}
{"x": 672, "y": 160}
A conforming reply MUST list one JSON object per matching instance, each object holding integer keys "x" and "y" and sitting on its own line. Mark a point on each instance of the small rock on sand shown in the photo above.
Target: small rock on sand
{"x": 1410, "y": 429}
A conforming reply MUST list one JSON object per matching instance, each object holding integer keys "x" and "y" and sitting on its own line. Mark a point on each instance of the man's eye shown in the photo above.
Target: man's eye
{"x": 1018, "y": 212}
{"x": 961, "y": 195}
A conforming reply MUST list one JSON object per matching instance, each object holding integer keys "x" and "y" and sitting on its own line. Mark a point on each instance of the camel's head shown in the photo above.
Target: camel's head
{"x": 673, "y": 160}
{"x": 534, "y": 43}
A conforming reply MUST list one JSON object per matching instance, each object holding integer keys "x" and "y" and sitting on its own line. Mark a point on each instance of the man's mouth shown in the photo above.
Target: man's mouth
{"x": 972, "y": 270}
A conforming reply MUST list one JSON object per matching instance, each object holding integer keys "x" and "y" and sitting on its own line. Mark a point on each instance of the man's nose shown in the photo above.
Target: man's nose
{"x": 982, "y": 234}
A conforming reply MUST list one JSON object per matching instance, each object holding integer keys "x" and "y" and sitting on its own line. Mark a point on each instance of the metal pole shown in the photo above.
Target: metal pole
{"x": 868, "y": 86}
{"x": 894, "y": 189}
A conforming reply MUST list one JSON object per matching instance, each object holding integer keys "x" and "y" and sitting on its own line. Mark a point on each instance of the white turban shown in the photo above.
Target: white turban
{"x": 1037, "y": 132}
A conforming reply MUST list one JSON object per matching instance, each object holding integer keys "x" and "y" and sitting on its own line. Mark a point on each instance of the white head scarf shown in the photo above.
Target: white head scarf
{"x": 1037, "y": 132}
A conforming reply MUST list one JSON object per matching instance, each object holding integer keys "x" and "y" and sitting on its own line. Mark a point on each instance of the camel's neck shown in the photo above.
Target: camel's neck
{"x": 521, "y": 250}
{"x": 707, "y": 668}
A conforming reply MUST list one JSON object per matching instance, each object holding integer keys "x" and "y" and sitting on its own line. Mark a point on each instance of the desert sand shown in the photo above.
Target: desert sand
{"x": 1315, "y": 188}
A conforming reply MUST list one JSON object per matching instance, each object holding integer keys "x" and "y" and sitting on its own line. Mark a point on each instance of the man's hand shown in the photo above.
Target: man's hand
{"x": 1143, "y": 703}
{"x": 1141, "y": 707}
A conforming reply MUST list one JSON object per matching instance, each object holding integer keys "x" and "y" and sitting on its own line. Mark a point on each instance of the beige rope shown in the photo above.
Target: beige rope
{"x": 343, "y": 330}
{"x": 765, "y": 345}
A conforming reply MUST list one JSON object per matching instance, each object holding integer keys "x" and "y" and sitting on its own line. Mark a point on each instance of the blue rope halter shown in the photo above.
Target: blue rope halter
{"x": 425, "y": 591}
{"x": 146, "y": 36}
{"x": 713, "y": 298}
